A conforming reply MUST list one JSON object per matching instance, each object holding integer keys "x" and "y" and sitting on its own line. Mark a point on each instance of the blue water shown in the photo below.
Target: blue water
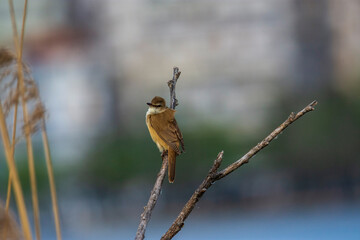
{"x": 322, "y": 222}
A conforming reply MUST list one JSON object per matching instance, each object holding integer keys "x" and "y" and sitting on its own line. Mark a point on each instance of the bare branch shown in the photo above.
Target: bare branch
{"x": 146, "y": 215}
{"x": 214, "y": 176}
{"x": 172, "y": 84}
{"x": 245, "y": 159}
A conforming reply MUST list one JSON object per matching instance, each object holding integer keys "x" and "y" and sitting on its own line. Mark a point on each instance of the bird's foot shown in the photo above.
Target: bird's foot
{"x": 164, "y": 153}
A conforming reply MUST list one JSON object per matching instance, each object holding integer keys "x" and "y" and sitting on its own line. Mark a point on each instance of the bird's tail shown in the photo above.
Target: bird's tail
{"x": 172, "y": 163}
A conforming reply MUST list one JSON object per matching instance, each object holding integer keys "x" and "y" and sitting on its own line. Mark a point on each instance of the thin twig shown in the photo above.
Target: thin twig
{"x": 214, "y": 176}
{"x": 245, "y": 159}
{"x": 146, "y": 215}
{"x": 172, "y": 84}
{"x": 155, "y": 192}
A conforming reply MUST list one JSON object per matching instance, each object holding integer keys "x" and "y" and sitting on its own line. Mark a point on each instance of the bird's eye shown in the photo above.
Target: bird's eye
{"x": 158, "y": 105}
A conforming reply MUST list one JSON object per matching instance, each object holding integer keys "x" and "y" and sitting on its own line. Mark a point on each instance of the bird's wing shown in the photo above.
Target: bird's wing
{"x": 179, "y": 134}
{"x": 166, "y": 127}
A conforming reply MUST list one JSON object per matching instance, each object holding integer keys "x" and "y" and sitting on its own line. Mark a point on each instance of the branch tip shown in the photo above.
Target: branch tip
{"x": 313, "y": 104}
{"x": 217, "y": 163}
{"x": 176, "y": 74}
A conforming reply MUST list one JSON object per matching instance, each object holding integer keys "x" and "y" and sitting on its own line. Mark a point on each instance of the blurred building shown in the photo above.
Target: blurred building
{"x": 233, "y": 56}
{"x": 344, "y": 23}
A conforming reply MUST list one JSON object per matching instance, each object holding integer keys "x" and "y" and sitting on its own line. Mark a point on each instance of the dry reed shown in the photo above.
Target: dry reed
{"x": 20, "y": 78}
{"x": 17, "y": 87}
{"x": 51, "y": 180}
{"x": 14, "y": 177}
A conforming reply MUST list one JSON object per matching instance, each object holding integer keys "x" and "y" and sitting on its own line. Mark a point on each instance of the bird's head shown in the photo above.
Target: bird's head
{"x": 157, "y": 105}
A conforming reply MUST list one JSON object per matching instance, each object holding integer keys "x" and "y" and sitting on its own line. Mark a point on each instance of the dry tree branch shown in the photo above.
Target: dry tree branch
{"x": 245, "y": 159}
{"x": 214, "y": 175}
{"x": 155, "y": 192}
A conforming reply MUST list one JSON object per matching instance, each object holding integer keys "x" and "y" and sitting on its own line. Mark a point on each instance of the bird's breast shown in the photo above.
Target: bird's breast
{"x": 155, "y": 137}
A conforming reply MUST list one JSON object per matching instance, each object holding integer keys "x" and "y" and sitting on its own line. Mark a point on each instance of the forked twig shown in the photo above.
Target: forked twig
{"x": 214, "y": 175}
{"x": 155, "y": 192}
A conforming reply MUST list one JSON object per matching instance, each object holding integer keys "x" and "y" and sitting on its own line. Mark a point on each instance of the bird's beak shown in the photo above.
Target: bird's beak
{"x": 149, "y": 104}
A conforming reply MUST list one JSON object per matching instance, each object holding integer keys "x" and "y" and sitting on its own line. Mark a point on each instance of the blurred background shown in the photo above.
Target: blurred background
{"x": 245, "y": 66}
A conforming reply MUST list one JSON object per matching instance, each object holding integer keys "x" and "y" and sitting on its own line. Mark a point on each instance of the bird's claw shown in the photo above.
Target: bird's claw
{"x": 164, "y": 153}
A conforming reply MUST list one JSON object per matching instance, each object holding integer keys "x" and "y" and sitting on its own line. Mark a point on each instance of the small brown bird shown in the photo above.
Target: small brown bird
{"x": 165, "y": 132}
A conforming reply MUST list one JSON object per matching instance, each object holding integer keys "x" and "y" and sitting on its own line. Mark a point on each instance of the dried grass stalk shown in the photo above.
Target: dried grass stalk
{"x": 15, "y": 178}
{"x": 51, "y": 180}
{"x": 20, "y": 76}
{"x": 13, "y": 143}
{"x": 26, "y": 93}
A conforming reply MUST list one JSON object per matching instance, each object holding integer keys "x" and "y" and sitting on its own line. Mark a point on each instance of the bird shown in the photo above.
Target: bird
{"x": 165, "y": 132}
